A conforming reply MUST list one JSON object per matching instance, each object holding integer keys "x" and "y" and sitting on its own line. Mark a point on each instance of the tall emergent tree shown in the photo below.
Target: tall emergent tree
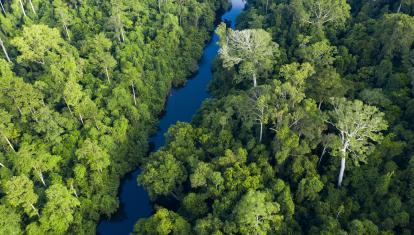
{"x": 251, "y": 49}
{"x": 359, "y": 125}
{"x": 320, "y": 12}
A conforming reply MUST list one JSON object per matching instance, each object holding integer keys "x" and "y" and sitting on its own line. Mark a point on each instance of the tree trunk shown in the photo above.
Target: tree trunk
{"x": 41, "y": 178}
{"x": 4, "y": 48}
{"x": 21, "y": 5}
{"x": 2, "y": 8}
{"x": 81, "y": 118}
{"x": 174, "y": 195}
{"x": 254, "y": 80}
{"x": 67, "y": 105}
{"x": 323, "y": 153}
{"x": 122, "y": 34}
{"x": 399, "y": 7}
{"x": 96, "y": 123}
{"x": 67, "y": 31}
{"x": 341, "y": 172}
{"x": 267, "y": 4}
{"x": 33, "y": 9}
{"x": 8, "y": 142}
{"x": 34, "y": 208}
{"x": 1, "y": 164}
{"x": 261, "y": 132}
{"x": 107, "y": 75}
{"x": 74, "y": 190}
{"x": 133, "y": 93}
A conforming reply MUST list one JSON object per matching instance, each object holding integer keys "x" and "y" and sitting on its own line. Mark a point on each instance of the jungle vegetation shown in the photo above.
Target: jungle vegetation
{"x": 310, "y": 128}
{"x": 82, "y": 84}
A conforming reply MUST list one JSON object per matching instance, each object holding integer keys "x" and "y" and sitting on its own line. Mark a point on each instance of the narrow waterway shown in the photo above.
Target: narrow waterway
{"x": 181, "y": 106}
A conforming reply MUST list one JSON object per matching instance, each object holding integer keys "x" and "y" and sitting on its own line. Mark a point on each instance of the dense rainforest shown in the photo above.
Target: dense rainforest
{"x": 82, "y": 84}
{"x": 310, "y": 128}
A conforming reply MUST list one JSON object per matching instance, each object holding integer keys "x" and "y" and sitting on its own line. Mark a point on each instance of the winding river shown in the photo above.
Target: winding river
{"x": 181, "y": 106}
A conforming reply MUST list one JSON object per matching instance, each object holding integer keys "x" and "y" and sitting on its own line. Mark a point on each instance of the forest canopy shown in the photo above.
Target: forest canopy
{"x": 82, "y": 84}
{"x": 309, "y": 129}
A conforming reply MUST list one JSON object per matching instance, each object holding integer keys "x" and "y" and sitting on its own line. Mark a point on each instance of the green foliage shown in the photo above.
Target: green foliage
{"x": 320, "y": 12}
{"x": 338, "y": 87}
{"x": 251, "y": 49}
{"x": 77, "y": 107}
{"x": 254, "y": 213}
{"x": 163, "y": 222}
{"x": 162, "y": 174}
{"x": 10, "y": 222}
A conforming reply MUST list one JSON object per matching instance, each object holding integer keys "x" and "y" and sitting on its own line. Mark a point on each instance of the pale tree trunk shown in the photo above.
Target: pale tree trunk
{"x": 175, "y": 195}
{"x": 322, "y": 154}
{"x": 67, "y": 31}
{"x": 399, "y": 7}
{"x": 261, "y": 132}
{"x": 4, "y": 48}
{"x": 254, "y": 80}
{"x": 33, "y": 9}
{"x": 122, "y": 34}
{"x": 67, "y": 105}
{"x": 107, "y": 75}
{"x": 2, "y": 8}
{"x": 1, "y": 164}
{"x": 21, "y": 5}
{"x": 267, "y": 4}
{"x": 42, "y": 178}
{"x": 18, "y": 108}
{"x": 343, "y": 153}
{"x": 8, "y": 142}
{"x": 337, "y": 214}
{"x": 133, "y": 92}
{"x": 34, "y": 208}
{"x": 74, "y": 190}
{"x": 96, "y": 124}
{"x": 33, "y": 112}
{"x": 257, "y": 223}
{"x": 81, "y": 118}
{"x": 341, "y": 171}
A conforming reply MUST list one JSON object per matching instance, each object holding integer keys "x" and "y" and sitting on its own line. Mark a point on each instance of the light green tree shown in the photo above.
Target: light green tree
{"x": 36, "y": 160}
{"x": 321, "y": 12}
{"x": 359, "y": 126}
{"x": 96, "y": 157}
{"x": 256, "y": 214}
{"x": 99, "y": 55}
{"x": 251, "y": 49}
{"x": 163, "y": 222}
{"x": 20, "y": 194}
{"x": 36, "y": 42}
{"x": 162, "y": 174}
{"x": 57, "y": 214}
{"x": 10, "y": 221}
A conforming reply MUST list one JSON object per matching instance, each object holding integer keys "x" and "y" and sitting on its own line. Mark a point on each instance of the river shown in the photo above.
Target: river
{"x": 181, "y": 106}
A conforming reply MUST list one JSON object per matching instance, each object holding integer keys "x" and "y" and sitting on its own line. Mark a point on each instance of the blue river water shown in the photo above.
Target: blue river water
{"x": 181, "y": 106}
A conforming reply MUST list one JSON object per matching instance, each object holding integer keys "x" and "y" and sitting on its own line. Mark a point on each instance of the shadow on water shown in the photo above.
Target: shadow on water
{"x": 181, "y": 106}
